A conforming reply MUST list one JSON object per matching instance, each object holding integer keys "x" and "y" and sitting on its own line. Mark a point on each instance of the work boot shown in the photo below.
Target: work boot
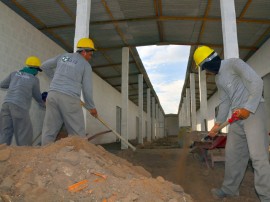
{"x": 219, "y": 194}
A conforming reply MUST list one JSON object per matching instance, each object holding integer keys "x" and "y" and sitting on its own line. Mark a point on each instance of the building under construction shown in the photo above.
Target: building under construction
{"x": 123, "y": 94}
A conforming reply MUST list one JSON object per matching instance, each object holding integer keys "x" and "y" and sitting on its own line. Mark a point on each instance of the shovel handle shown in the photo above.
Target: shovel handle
{"x": 117, "y": 134}
{"x": 224, "y": 124}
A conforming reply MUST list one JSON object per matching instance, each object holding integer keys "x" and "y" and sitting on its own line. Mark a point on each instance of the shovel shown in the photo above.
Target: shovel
{"x": 117, "y": 134}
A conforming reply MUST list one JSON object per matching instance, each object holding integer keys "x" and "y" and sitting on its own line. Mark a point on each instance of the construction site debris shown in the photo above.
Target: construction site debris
{"x": 72, "y": 169}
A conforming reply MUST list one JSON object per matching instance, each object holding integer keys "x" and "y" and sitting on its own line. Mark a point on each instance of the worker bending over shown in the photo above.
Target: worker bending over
{"x": 70, "y": 73}
{"x": 22, "y": 86}
{"x": 240, "y": 90}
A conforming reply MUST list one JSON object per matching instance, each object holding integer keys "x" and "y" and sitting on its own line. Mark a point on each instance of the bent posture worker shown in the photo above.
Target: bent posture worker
{"x": 71, "y": 73}
{"x": 240, "y": 90}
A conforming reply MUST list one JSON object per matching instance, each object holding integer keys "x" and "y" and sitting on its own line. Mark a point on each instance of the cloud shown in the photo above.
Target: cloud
{"x": 155, "y": 56}
{"x": 166, "y": 68}
{"x": 169, "y": 95}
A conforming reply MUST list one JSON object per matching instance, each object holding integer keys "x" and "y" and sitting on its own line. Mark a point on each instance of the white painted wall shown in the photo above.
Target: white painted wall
{"x": 266, "y": 80}
{"x": 106, "y": 99}
{"x": 171, "y": 125}
{"x": 19, "y": 39}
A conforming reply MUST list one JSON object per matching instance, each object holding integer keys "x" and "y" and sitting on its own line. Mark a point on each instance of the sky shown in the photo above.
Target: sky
{"x": 166, "y": 67}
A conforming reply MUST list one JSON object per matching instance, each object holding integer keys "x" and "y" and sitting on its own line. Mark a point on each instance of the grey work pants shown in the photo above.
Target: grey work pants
{"x": 248, "y": 139}
{"x": 62, "y": 108}
{"x": 15, "y": 120}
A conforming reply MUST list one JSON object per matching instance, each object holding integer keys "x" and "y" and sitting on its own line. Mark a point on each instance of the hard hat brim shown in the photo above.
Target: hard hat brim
{"x": 87, "y": 49}
{"x": 40, "y": 70}
{"x": 37, "y": 68}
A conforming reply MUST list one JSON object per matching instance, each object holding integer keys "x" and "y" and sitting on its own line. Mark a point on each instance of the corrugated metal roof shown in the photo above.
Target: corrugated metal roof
{"x": 125, "y": 23}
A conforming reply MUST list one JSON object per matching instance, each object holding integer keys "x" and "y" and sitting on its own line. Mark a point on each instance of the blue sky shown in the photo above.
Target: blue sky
{"x": 166, "y": 68}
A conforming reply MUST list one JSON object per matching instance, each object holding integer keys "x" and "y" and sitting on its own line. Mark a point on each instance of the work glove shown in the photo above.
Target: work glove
{"x": 214, "y": 131}
{"x": 44, "y": 96}
{"x": 242, "y": 113}
{"x": 93, "y": 112}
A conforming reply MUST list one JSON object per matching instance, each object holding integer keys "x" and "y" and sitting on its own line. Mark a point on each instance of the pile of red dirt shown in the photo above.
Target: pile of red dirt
{"x": 73, "y": 169}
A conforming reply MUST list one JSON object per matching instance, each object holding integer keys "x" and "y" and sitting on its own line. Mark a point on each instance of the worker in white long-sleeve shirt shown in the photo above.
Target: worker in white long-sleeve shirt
{"x": 22, "y": 85}
{"x": 71, "y": 73}
{"x": 240, "y": 90}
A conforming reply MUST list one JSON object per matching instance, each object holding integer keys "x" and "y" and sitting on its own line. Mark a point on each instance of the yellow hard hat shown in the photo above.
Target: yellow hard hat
{"x": 201, "y": 53}
{"x": 86, "y": 43}
{"x": 33, "y": 61}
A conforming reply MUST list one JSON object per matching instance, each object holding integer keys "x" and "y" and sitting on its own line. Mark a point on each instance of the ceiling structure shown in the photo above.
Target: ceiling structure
{"x": 124, "y": 23}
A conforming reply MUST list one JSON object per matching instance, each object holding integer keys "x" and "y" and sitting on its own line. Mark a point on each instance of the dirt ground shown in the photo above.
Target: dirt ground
{"x": 188, "y": 170}
{"x": 74, "y": 170}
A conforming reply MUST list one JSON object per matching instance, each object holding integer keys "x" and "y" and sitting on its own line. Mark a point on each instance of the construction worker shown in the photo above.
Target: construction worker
{"x": 22, "y": 86}
{"x": 240, "y": 90}
{"x": 70, "y": 73}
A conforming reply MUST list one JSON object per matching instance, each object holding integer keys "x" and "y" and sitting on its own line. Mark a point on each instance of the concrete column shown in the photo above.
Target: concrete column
{"x": 140, "y": 87}
{"x": 124, "y": 92}
{"x": 82, "y": 30}
{"x": 162, "y": 129}
{"x": 266, "y": 93}
{"x": 157, "y": 121}
{"x": 82, "y": 21}
{"x": 184, "y": 111}
{"x": 148, "y": 115}
{"x": 181, "y": 116}
{"x": 153, "y": 118}
{"x": 193, "y": 101}
{"x": 203, "y": 99}
{"x": 188, "y": 106}
{"x": 229, "y": 30}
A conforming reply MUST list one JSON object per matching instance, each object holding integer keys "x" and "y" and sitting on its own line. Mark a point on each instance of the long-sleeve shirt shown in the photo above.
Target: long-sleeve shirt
{"x": 21, "y": 88}
{"x": 71, "y": 74}
{"x": 239, "y": 86}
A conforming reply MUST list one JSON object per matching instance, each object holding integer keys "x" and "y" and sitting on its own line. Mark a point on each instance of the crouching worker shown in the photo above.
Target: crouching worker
{"x": 22, "y": 86}
{"x": 70, "y": 73}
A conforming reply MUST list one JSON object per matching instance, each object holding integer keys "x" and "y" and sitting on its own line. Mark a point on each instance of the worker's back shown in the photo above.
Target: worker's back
{"x": 21, "y": 87}
{"x": 69, "y": 73}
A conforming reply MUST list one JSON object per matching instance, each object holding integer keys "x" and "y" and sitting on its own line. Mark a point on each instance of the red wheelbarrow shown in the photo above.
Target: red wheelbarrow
{"x": 202, "y": 147}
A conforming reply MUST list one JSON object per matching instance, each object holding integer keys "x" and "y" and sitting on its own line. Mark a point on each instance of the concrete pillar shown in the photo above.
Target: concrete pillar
{"x": 148, "y": 115}
{"x": 184, "y": 111}
{"x": 140, "y": 101}
{"x": 157, "y": 121}
{"x": 188, "y": 106}
{"x": 82, "y": 30}
{"x": 193, "y": 101}
{"x": 180, "y": 116}
{"x": 203, "y": 99}
{"x": 82, "y": 21}
{"x": 124, "y": 92}
{"x": 266, "y": 93}
{"x": 163, "y": 129}
{"x": 153, "y": 118}
{"x": 229, "y": 30}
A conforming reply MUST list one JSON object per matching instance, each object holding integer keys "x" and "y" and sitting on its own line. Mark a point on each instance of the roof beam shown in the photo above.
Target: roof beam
{"x": 27, "y": 12}
{"x": 203, "y": 23}
{"x": 158, "y": 10}
{"x": 174, "y": 43}
{"x": 110, "y": 65}
{"x": 160, "y": 18}
{"x": 245, "y": 9}
{"x": 117, "y": 77}
{"x": 66, "y": 9}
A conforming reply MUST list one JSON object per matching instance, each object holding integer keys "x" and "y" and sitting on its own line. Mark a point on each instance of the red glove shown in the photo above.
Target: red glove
{"x": 242, "y": 113}
{"x": 93, "y": 112}
{"x": 214, "y": 131}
